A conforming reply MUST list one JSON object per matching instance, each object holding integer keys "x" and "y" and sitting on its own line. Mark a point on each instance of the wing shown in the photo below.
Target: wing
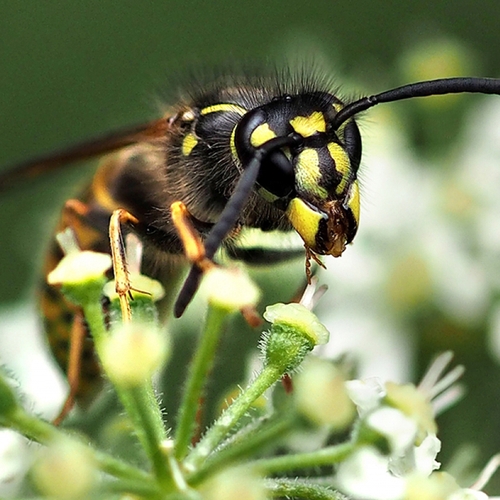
{"x": 88, "y": 149}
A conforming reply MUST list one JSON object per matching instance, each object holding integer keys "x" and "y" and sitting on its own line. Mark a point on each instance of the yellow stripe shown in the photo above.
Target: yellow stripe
{"x": 261, "y": 135}
{"x": 232, "y": 144}
{"x": 353, "y": 201}
{"x": 309, "y": 125}
{"x": 305, "y": 221}
{"x": 215, "y": 108}
{"x": 308, "y": 173}
{"x": 188, "y": 143}
{"x": 342, "y": 164}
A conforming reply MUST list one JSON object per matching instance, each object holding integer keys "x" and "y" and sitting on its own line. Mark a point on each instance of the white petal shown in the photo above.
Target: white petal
{"x": 399, "y": 429}
{"x": 365, "y": 475}
{"x": 365, "y": 394}
{"x": 468, "y": 494}
{"x": 426, "y": 453}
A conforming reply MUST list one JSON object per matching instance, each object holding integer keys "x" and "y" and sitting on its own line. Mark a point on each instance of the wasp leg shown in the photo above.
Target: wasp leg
{"x": 195, "y": 252}
{"x": 74, "y": 212}
{"x": 78, "y": 333}
{"x": 122, "y": 281}
{"x": 191, "y": 241}
{"x": 310, "y": 255}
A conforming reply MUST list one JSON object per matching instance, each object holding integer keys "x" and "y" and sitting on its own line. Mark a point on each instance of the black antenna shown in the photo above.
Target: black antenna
{"x": 420, "y": 89}
{"x": 230, "y": 215}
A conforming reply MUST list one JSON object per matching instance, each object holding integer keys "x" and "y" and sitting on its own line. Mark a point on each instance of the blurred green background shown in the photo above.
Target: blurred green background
{"x": 70, "y": 70}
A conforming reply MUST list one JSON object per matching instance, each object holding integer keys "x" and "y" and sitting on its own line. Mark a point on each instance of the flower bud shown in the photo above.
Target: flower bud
{"x": 299, "y": 317}
{"x": 133, "y": 353}
{"x": 81, "y": 275}
{"x": 229, "y": 288}
{"x": 295, "y": 331}
{"x": 321, "y": 395}
{"x": 236, "y": 483}
{"x": 64, "y": 470}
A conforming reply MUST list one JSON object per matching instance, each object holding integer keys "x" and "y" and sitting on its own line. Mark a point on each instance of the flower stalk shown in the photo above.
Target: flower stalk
{"x": 199, "y": 369}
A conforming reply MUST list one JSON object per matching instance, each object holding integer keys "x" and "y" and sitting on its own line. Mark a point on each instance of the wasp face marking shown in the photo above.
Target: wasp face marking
{"x": 308, "y": 126}
{"x": 314, "y": 182}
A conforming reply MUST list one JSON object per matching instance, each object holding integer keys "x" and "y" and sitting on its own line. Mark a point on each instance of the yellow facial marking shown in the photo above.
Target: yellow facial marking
{"x": 308, "y": 173}
{"x": 215, "y": 108}
{"x": 309, "y": 125}
{"x": 353, "y": 201}
{"x": 305, "y": 221}
{"x": 261, "y": 135}
{"x": 340, "y": 131}
{"x": 188, "y": 144}
{"x": 342, "y": 164}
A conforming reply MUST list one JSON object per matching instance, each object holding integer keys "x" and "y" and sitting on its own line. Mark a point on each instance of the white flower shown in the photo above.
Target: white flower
{"x": 365, "y": 475}
{"x": 365, "y": 394}
{"x": 399, "y": 430}
{"x": 420, "y": 459}
{"x": 14, "y": 461}
{"x": 370, "y": 475}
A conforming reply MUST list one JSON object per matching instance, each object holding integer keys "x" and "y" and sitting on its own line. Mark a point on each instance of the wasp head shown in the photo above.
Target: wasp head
{"x": 314, "y": 181}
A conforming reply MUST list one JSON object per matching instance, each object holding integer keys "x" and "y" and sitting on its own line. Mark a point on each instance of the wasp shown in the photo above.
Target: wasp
{"x": 274, "y": 153}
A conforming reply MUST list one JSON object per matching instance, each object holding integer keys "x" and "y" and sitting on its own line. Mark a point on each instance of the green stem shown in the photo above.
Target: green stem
{"x": 200, "y": 367}
{"x": 139, "y": 403}
{"x": 95, "y": 321}
{"x": 285, "y": 463}
{"x": 142, "y": 408}
{"x": 219, "y": 430}
{"x": 136, "y": 488}
{"x": 32, "y": 427}
{"x": 249, "y": 440}
{"x": 45, "y": 433}
{"x": 293, "y": 488}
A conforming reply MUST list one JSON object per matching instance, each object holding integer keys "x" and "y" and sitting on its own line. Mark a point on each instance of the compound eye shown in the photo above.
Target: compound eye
{"x": 276, "y": 175}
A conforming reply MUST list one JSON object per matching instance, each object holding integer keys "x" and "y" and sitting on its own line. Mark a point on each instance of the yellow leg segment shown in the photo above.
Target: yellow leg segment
{"x": 122, "y": 281}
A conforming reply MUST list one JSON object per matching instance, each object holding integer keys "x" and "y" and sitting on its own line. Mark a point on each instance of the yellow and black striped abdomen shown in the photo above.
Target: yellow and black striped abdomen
{"x": 88, "y": 216}
{"x": 60, "y": 317}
